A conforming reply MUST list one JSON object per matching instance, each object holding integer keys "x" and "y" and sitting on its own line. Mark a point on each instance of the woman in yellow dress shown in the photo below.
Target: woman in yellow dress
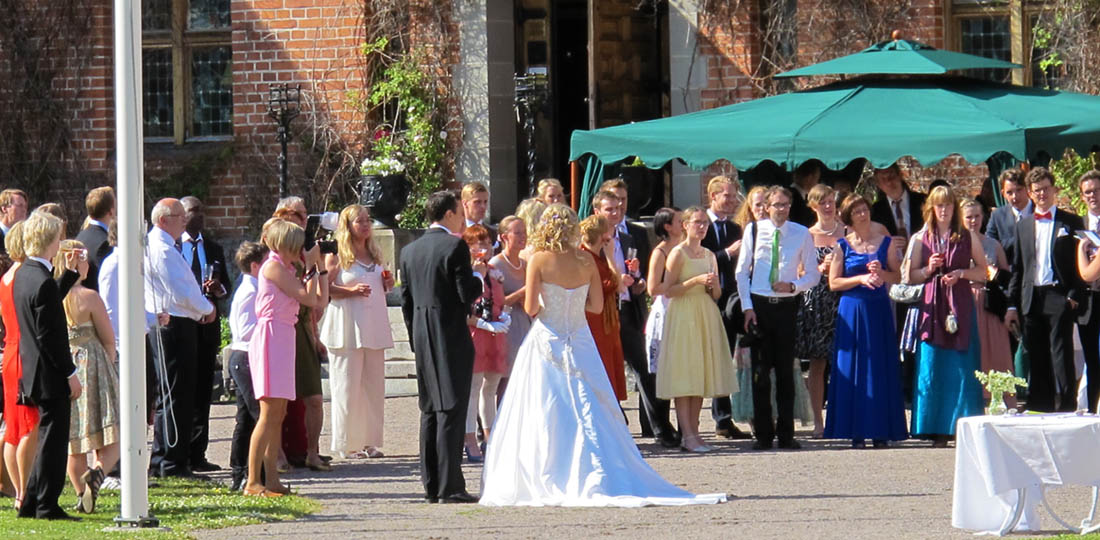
{"x": 695, "y": 358}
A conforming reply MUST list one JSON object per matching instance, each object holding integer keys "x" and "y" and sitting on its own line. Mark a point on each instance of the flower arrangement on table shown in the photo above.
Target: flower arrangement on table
{"x": 999, "y": 383}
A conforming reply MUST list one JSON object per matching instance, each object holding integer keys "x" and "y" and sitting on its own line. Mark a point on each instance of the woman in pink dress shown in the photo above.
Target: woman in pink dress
{"x": 271, "y": 351}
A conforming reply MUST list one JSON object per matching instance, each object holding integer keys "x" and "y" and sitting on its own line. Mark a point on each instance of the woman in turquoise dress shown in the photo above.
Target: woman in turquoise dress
{"x": 865, "y": 398}
{"x": 948, "y": 258}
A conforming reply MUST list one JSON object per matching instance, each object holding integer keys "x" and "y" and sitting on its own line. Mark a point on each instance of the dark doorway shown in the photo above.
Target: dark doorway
{"x": 568, "y": 78}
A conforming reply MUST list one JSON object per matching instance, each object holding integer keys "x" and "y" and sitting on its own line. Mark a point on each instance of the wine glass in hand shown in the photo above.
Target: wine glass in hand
{"x": 631, "y": 262}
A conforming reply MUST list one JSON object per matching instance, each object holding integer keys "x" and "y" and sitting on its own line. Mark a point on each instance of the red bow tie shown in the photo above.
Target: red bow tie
{"x": 1046, "y": 215}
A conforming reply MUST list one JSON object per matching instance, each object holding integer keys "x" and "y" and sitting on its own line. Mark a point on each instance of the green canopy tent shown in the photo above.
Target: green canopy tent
{"x": 879, "y": 118}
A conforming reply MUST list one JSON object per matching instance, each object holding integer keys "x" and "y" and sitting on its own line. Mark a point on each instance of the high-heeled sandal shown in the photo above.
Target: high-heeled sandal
{"x": 260, "y": 493}
{"x": 284, "y": 489}
{"x": 474, "y": 459}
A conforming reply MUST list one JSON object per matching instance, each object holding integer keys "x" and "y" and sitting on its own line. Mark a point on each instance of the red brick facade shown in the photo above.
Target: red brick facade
{"x": 316, "y": 43}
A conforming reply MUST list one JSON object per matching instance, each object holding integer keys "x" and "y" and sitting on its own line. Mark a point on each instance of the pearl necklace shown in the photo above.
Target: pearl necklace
{"x": 514, "y": 266}
{"x": 836, "y": 225}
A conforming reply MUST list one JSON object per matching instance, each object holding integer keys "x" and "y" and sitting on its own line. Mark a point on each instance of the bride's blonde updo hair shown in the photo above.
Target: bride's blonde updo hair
{"x": 557, "y": 231}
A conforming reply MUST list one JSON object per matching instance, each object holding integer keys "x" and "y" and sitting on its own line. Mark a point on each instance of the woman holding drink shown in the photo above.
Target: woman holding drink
{"x": 694, "y": 361}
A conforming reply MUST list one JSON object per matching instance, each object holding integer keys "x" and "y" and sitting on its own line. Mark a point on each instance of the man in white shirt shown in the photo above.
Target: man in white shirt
{"x": 1045, "y": 292}
{"x": 768, "y": 283}
{"x": 1088, "y": 323}
{"x": 171, "y": 288}
{"x": 242, "y": 321}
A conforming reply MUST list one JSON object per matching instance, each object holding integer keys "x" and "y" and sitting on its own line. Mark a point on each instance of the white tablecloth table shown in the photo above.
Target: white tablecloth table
{"x": 999, "y": 459}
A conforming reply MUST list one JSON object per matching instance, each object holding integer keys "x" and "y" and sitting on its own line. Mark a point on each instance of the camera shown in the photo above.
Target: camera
{"x": 483, "y": 309}
{"x": 314, "y": 224}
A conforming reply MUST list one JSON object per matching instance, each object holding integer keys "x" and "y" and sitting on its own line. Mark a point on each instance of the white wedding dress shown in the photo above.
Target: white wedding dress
{"x": 560, "y": 438}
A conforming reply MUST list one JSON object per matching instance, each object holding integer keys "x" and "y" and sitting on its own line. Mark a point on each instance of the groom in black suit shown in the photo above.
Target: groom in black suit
{"x": 1046, "y": 292}
{"x": 440, "y": 286}
{"x": 49, "y": 375}
{"x": 100, "y": 204}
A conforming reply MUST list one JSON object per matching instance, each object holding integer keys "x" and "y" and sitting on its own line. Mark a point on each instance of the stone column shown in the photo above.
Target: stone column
{"x": 483, "y": 82}
{"x": 688, "y": 75}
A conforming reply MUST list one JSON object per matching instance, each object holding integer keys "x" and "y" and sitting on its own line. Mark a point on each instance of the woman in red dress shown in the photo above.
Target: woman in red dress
{"x": 21, "y": 437}
{"x": 595, "y": 234}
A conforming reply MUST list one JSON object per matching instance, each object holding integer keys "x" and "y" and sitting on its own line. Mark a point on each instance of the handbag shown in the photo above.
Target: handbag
{"x": 903, "y": 293}
{"x": 732, "y": 311}
{"x": 995, "y": 300}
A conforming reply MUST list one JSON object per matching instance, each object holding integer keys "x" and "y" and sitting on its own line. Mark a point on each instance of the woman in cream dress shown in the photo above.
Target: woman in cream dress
{"x": 356, "y": 330}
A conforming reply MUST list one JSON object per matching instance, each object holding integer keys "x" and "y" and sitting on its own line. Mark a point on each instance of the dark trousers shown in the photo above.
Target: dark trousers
{"x": 721, "y": 408}
{"x": 47, "y": 477}
{"x": 775, "y": 351}
{"x": 206, "y": 356}
{"x": 1090, "y": 347}
{"x": 1048, "y": 336}
{"x": 441, "y": 434}
{"x": 295, "y": 442}
{"x": 174, "y": 418}
{"x": 248, "y": 411}
{"x": 632, "y": 334}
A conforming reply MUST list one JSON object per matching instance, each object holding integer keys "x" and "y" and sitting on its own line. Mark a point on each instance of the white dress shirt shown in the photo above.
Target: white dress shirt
{"x": 904, "y": 202}
{"x": 1020, "y": 213}
{"x": 47, "y": 264}
{"x": 1044, "y": 248}
{"x": 242, "y": 313}
{"x": 99, "y": 224}
{"x": 170, "y": 287}
{"x": 108, "y": 291}
{"x": 4, "y": 228}
{"x": 796, "y": 247}
{"x": 185, "y": 242}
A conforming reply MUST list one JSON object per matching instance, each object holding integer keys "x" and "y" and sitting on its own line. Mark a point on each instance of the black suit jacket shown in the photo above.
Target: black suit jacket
{"x": 1064, "y": 259}
{"x": 43, "y": 334}
{"x": 1002, "y": 228}
{"x": 884, "y": 214}
{"x": 801, "y": 213}
{"x": 94, "y": 239}
{"x": 726, "y": 265}
{"x": 438, "y": 290}
{"x": 633, "y": 312}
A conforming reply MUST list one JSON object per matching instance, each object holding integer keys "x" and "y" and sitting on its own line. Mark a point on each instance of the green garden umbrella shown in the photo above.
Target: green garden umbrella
{"x": 878, "y": 118}
{"x": 900, "y": 56}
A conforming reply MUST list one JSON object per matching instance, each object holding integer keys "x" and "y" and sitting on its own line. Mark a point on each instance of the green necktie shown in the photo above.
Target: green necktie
{"x": 773, "y": 276}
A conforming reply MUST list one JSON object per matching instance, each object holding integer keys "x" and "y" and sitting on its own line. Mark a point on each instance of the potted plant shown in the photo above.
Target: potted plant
{"x": 383, "y": 188}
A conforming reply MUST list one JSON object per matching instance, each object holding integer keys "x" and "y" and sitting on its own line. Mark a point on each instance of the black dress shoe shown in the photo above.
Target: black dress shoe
{"x": 237, "y": 484}
{"x": 761, "y": 445}
{"x": 731, "y": 432}
{"x": 431, "y": 500}
{"x": 668, "y": 441}
{"x": 205, "y": 466}
{"x": 790, "y": 445}
{"x": 58, "y": 515}
{"x": 458, "y": 498}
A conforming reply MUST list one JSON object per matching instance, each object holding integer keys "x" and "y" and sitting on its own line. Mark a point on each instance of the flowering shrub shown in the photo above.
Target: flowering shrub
{"x": 383, "y": 166}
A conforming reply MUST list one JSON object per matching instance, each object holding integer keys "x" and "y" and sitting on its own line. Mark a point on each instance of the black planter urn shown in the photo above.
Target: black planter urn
{"x": 386, "y": 196}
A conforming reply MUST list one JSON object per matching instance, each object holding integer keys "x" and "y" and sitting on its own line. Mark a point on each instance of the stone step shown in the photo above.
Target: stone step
{"x": 400, "y": 387}
{"x": 401, "y": 351}
{"x": 400, "y": 369}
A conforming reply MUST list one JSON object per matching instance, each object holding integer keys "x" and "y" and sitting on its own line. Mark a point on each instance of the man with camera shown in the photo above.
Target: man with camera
{"x": 206, "y": 259}
{"x": 769, "y": 284}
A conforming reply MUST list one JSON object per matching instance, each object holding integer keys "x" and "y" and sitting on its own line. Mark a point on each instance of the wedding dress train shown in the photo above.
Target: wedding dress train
{"x": 560, "y": 438}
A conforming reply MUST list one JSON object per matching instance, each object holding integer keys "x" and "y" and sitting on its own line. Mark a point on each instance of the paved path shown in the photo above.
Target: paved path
{"x": 826, "y": 490}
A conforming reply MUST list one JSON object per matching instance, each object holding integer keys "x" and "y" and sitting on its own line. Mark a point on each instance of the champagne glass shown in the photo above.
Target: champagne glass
{"x": 631, "y": 257}
{"x": 207, "y": 273}
{"x": 387, "y": 272}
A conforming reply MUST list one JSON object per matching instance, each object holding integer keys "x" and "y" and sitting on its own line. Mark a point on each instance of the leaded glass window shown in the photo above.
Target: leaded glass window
{"x": 988, "y": 37}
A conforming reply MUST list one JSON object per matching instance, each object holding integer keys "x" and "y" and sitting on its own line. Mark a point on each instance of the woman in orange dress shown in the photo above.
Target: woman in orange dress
{"x": 21, "y": 437}
{"x": 595, "y": 234}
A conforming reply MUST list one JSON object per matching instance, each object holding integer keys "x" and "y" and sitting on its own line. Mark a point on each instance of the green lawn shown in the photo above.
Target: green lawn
{"x": 181, "y": 505}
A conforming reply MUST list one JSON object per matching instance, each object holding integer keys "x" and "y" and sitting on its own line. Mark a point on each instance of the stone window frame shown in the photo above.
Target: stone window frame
{"x": 1020, "y": 13}
{"x": 181, "y": 41}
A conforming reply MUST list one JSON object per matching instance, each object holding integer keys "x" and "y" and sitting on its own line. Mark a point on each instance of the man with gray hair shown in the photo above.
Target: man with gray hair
{"x": 171, "y": 288}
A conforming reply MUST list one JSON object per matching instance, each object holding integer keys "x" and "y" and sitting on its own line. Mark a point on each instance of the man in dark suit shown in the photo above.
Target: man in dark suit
{"x": 1002, "y": 222}
{"x": 632, "y": 316}
{"x": 897, "y": 207}
{"x": 1046, "y": 291}
{"x": 475, "y": 205}
{"x": 207, "y": 262}
{"x": 901, "y": 211}
{"x": 1088, "y": 323}
{"x": 100, "y": 204}
{"x": 1002, "y": 228}
{"x": 439, "y": 286}
{"x": 806, "y": 176}
{"x": 724, "y": 239}
{"x": 13, "y": 209}
{"x": 49, "y": 375}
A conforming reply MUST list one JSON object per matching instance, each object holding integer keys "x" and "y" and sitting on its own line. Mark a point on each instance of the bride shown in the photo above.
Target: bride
{"x": 560, "y": 438}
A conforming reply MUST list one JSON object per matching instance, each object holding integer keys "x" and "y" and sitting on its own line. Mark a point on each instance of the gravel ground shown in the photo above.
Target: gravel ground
{"x": 825, "y": 490}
